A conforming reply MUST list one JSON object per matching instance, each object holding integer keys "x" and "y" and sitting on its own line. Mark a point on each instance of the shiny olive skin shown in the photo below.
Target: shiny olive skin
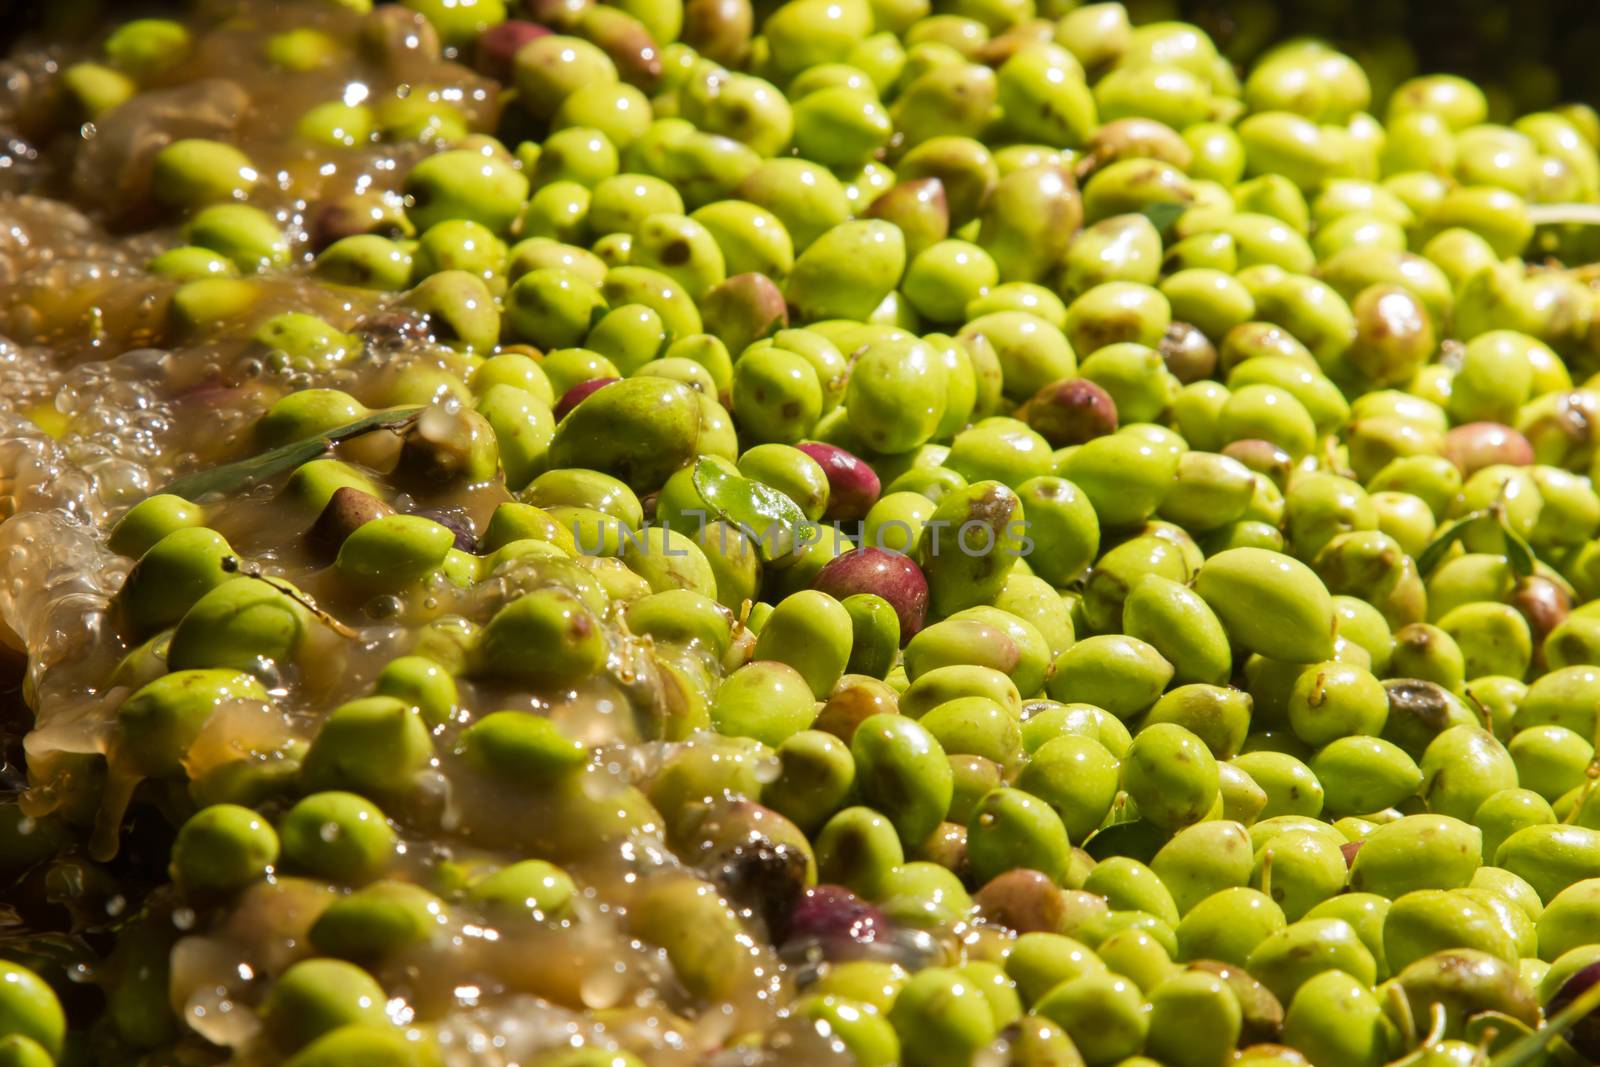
{"x": 1001, "y": 531}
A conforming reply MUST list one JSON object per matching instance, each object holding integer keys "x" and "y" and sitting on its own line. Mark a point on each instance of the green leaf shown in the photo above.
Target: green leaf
{"x": 1533, "y": 1047}
{"x": 1434, "y": 554}
{"x": 1518, "y": 552}
{"x": 232, "y": 477}
{"x": 768, "y": 517}
{"x": 1163, "y": 215}
{"x": 1508, "y": 1030}
{"x": 1123, "y": 811}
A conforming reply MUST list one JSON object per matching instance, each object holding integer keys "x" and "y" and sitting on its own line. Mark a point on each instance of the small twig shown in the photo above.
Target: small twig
{"x": 233, "y": 565}
{"x": 1483, "y": 709}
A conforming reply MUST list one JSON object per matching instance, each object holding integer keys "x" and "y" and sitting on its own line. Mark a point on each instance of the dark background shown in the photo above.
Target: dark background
{"x": 1539, "y": 51}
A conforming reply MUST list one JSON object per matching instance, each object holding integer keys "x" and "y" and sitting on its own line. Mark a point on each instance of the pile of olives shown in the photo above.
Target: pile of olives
{"x": 823, "y": 532}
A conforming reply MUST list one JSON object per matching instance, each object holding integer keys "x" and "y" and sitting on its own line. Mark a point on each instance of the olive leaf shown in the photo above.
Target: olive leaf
{"x": 232, "y": 477}
{"x": 1518, "y": 552}
{"x": 1534, "y": 1047}
{"x": 768, "y": 517}
{"x": 1163, "y": 215}
{"x": 1498, "y": 1031}
{"x": 39, "y": 947}
{"x": 1434, "y": 554}
{"x": 1124, "y": 812}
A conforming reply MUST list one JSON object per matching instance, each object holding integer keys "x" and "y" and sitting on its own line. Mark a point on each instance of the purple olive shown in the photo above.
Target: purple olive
{"x": 351, "y": 215}
{"x": 626, "y": 40}
{"x": 332, "y": 220}
{"x": 919, "y": 207}
{"x": 563, "y": 15}
{"x": 852, "y": 702}
{"x": 1563, "y": 428}
{"x": 1477, "y": 445}
{"x": 456, "y": 521}
{"x": 853, "y": 487}
{"x": 719, "y": 30}
{"x": 347, "y": 511}
{"x": 1023, "y": 899}
{"x": 891, "y": 575}
{"x": 833, "y": 913}
{"x": 1188, "y": 353}
{"x": 744, "y": 309}
{"x": 1071, "y": 411}
{"x": 765, "y": 878}
{"x": 498, "y": 46}
{"x": 210, "y": 393}
{"x": 1585, "y": 1034}
{"x": 1544, "y": 604}
{"x": 396, "y": 36}
{"x": 1349, "y": 850}
{"x": 947, "y": 846}
{"x": 579, "y": 393}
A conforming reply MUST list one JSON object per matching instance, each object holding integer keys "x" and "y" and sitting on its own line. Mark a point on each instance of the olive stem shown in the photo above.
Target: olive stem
{"x": 746, "y": 606}
{"x": 1490, "y": 1033}
{"x": 1439, "y": 1019}
{"x": 1090, "y": 162}
{"x": 1403, "y": 1018}
{"x": 1330, "y": 458}
{"x": 1592, "y": 773}
{"x": 1483, "y": 709}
